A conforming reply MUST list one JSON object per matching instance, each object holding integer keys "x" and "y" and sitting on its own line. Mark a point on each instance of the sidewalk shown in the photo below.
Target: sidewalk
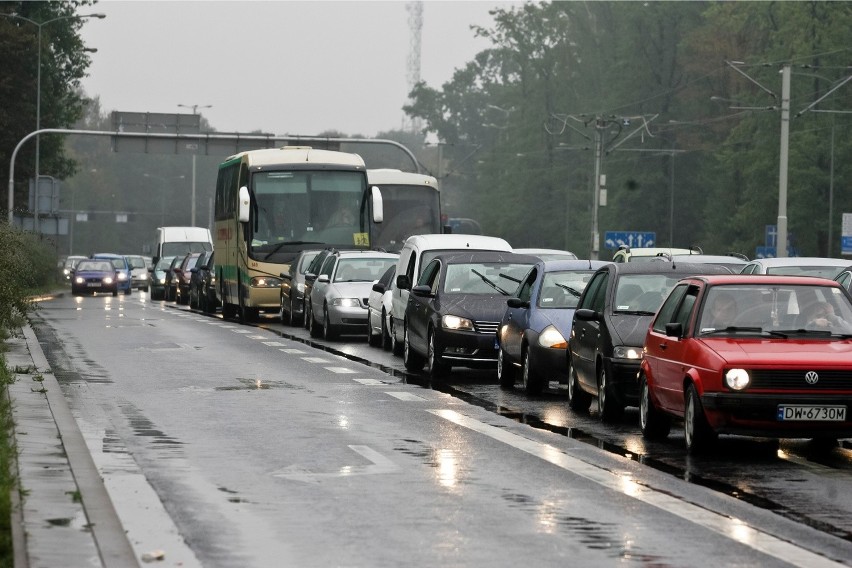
{"x": 62, "y": 516}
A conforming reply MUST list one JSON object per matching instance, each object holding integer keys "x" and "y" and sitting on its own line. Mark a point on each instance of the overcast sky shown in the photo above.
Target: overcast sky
{"x": 283, "y": 67}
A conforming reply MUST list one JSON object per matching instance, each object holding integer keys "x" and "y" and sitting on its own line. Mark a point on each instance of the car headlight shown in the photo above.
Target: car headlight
{"x": 300, "y": 286}
{"x": 212, "y": 280}
{"x": 455, "y": 322}
{"x": 143, "y": 277}
{"x": 66, "y": 272}
{"x": 163, "y": 280}
{"x": 626, "y": 352}
{"x": 550, "y": 337}
{"x": 265, "y": 282}
{"x": 122, "y": 276}
{"x": 346, "y": 302}
{"x": 737, "y": 379}
{"x": 107, "y": 280}
{"x": 79, "y": 280}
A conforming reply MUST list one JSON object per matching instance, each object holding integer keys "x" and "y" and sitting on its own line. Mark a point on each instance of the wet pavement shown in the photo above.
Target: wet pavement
{"x": 62, "y": 515}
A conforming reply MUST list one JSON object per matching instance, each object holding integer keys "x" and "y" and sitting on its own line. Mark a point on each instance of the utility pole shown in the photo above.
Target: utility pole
{"x": 781, "y": 243}
{"x": 595, "y": 244}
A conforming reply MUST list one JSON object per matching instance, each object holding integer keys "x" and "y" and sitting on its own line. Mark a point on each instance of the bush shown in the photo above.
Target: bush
{"x": 27, "y": 264}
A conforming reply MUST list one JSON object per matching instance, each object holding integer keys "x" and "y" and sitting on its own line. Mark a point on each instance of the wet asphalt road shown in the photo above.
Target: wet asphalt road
{"x": 233, "y": 445}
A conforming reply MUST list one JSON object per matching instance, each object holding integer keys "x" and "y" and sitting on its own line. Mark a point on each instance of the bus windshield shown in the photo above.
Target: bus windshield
{"x": 301, "y": 207}
{"x": 408, "y": 210}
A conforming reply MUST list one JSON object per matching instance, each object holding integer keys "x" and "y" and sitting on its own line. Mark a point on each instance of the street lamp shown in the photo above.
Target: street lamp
{"x": 40, "y": 25}
{"x": 194, "y": 111}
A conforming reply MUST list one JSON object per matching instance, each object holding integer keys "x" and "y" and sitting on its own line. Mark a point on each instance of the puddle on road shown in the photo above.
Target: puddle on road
{"x": 259, "y": 384}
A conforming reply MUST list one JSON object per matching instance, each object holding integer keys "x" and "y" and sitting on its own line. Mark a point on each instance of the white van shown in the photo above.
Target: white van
{"x": 180, "y": 241}
{"x": 417, "y": 251}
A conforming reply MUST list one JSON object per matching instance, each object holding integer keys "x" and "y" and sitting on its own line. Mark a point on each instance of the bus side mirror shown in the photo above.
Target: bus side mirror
{"x": 245, "y": 205}
{"x": 377, "y": 205}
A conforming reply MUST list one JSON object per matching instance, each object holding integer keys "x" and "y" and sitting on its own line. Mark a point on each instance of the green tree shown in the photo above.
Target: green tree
{"x": 63, "y": 64}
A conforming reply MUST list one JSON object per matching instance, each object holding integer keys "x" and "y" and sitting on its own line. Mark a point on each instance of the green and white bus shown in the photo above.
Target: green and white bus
{"x": 412, "y": 206}
{"x": 271, "y": 204}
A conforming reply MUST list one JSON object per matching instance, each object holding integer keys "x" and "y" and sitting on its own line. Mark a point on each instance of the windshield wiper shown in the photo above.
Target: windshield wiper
{"x": 635, "y": 312}
{"x": 489, "y": 282}
{"x": 734, "y": 329}
{"x": 571, "y": 290}
{"x": 512, "y": 278}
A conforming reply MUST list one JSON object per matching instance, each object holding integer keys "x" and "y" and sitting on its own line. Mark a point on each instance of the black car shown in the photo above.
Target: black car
{"x": 171, "y": 279}
{"x": 609, "y": 327}
{"x": 293, "y": 287}
{"x": 453, "y": 312}
{"x": 197, "y": 279}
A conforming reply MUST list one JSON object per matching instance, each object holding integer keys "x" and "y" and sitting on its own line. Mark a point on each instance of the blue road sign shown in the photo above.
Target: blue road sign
{"x": 846, "y": 244}
{"x": 615, "y": 239}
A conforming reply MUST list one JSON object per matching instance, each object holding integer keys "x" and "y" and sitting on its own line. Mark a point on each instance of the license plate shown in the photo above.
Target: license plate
{"x": 810, "y": 413}
{"x": 93, "y": 285}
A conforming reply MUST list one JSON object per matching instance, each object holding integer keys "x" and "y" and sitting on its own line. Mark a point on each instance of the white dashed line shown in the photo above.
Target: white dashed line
{"x": 258, "y": 336}
{"x": 292, "y": 351}
{"x": 340, "y": 370}
{"x": 240, "y": 331}
{"x": 370, "y": 382}
{"x": 407, "y": 396}
{"x": 274, "y": 343}
{"x": 315, "y": 360}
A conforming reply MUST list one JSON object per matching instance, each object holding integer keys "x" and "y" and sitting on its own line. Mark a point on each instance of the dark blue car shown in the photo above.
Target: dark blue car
{"x": 90, "y": 276}
{"x": 533, "y": 334}
{"x": 123, "y": 271}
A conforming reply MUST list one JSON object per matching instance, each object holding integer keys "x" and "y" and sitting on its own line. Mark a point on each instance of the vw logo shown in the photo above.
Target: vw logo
{"x": 811, "y": 377}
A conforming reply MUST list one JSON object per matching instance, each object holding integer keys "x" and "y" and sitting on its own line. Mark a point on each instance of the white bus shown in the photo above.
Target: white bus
{"x": 271, "y": 204}
{"x": 412, "y": 206}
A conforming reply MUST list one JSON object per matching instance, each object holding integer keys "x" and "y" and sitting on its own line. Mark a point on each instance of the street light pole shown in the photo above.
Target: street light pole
{"x": 40, "y": 25}
{"x": 194, "y": 111}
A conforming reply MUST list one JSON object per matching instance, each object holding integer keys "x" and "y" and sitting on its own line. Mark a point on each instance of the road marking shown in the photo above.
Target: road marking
{"x": 315, "y": 360}
{"x": 241, "y": 331}
{"x": 292, "y": 351}
{"x": 380, "y": 464}
{"x": 340, "y": 370}
{"x": 370, "y": 382}
{"x": 407, "y": 396}
{"x": 274, "y": 343}
{"x": 729, "y": 527}
{"x": 258, "y": 336}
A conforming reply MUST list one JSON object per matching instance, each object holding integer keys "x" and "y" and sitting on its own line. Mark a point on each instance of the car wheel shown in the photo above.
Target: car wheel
{"x": 609, "y": 410}
{"x": 533, "y": 383}
{"x": 292, "y": 321}
{"x": 412, "y": 360}
{"x": 386, "y": 338}
{"x": 397, "y": 346}
{"x": 696, "y": 431}
{"x": 115, "y": 292}
{"x": 314, "y": 327}
{"x": 375, "y": 340}
{"x": 329, "y": 332}
{"x": 655, "y": 424}
{"x": 437, "y": 368}
{"x": 578, "y": 399}
{"x": 309, "y": 314}
{"x": 505, "y": 370}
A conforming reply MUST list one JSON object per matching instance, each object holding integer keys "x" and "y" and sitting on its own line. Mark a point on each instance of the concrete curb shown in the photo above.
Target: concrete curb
{"x": 65, "y": 517}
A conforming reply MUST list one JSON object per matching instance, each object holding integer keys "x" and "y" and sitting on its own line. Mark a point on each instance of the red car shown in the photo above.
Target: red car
{"x": 750, "y": 355}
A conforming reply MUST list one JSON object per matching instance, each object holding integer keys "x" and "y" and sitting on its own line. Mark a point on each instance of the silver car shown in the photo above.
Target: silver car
{"x": 797, "y": 266}
{"x": 339, "y": 295}
{"x": 379, "y": 310}
{"x": 138, "y": 272}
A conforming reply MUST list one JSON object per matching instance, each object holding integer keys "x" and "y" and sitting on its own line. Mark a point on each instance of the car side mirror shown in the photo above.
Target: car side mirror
{"x": 309, "y": 277}
{"x": 323, "y": 278}
{"x": 403, "y": 282}
{"x": 193, "y": 270}
{"x": 422, "y": 291}
{"x": 517, "y": 303}
{"x": 674, "y": 329}
{"x": 586, "y": 314}
{"x": 378, "y": 287}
